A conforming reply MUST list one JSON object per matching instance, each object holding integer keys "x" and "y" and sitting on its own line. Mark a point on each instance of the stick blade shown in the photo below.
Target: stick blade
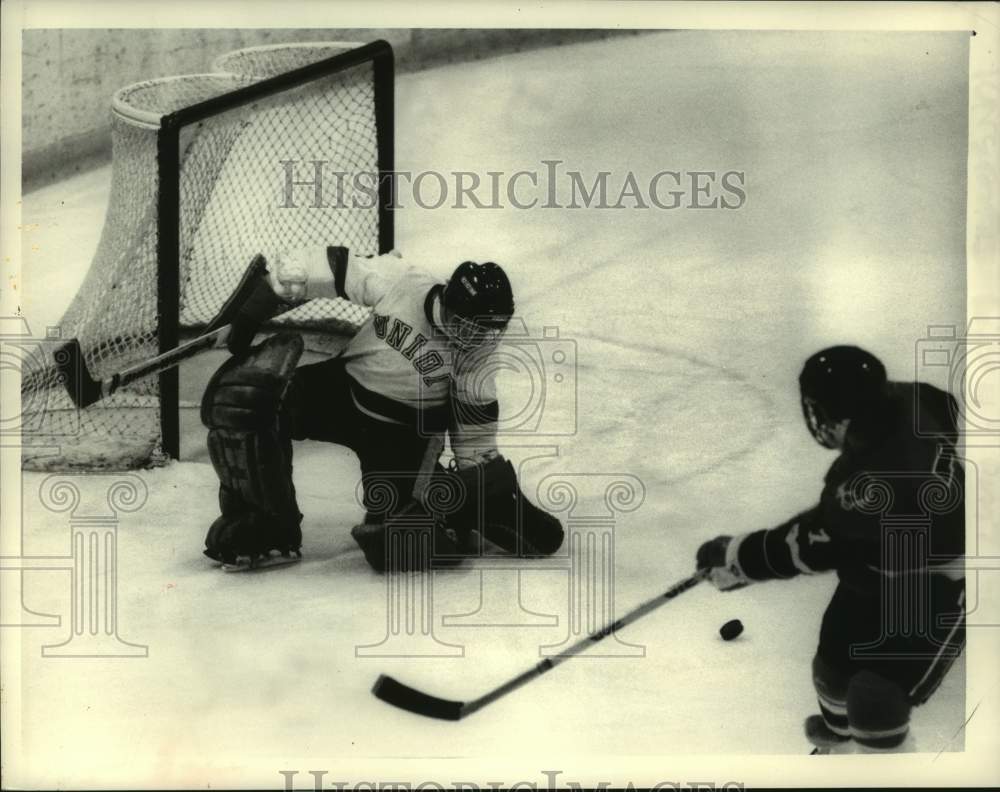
{"x": 412, "y": 700}
{"x": 82, "y": 388}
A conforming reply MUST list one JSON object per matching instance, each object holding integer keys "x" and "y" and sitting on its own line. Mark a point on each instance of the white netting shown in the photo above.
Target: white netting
{"x": 271, "y": 59}
{"x": 235, "y": 201}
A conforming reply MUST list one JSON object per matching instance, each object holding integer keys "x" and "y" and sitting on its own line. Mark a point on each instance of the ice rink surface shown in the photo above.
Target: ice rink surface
{"x": 689, "y": 326}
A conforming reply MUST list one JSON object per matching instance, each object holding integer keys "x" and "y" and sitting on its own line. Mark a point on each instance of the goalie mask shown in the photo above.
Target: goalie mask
{"x": 837, "y": 385}
{"x": 477, "y": 305}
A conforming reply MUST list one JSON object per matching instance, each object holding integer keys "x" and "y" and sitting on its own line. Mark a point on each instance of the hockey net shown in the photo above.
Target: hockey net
{"x": 209, "y": 170}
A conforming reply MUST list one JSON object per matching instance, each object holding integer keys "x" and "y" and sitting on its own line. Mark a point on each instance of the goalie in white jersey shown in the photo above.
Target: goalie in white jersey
{"x": 420, "y": 366}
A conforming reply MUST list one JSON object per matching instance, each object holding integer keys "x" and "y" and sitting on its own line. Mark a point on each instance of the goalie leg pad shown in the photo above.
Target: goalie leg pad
{"x": 395, "y": 548}
{"x": 251, "y": 451}
{"x": 412, "y": 540}
{"x": 247, "y": 391}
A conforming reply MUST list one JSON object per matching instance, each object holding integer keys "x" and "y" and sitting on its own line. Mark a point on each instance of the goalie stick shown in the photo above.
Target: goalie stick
{"x": 84, "y": 389}
{"x": 405, "y": 697}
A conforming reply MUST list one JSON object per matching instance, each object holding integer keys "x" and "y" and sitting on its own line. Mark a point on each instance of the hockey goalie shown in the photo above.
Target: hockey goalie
{"x": 422, "y": 366}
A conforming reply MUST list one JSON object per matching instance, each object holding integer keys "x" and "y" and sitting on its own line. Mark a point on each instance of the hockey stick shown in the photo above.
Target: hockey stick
{"x": 84, "y": 389}
{"x": 405, "y": 697}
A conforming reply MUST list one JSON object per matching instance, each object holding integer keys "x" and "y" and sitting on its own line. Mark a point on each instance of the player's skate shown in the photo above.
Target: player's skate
{"x": 241, "y": 543}
{"x": 824, "y": 739}
{"x": 242, "y": 563}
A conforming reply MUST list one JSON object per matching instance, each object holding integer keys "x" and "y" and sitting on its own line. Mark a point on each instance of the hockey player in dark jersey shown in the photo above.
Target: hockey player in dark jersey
{"x": 420, "y": 367}
{"x": 891, "y": 523}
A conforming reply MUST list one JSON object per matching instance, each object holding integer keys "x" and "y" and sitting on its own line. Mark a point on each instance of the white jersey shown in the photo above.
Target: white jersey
{"x": 400, "y": 357}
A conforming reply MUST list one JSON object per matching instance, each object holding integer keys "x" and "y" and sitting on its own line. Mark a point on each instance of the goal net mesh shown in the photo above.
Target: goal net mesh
{"x": 247, "y": 184}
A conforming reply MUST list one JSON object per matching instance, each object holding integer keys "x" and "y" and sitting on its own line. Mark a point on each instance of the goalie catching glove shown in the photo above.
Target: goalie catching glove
{"x": 483, "y": 497}
{"x": 496, "y": 507}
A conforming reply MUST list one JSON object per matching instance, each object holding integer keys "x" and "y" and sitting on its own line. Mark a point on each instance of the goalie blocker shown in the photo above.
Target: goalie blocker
{"x": 376, "y": 400}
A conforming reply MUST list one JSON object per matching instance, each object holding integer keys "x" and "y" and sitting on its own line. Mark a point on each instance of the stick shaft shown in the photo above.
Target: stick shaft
{"x": 584, "y": 643}
{"x": 253, "y": 299}
{"x": 168, "y": 359}
{"x": 158, "y": 364}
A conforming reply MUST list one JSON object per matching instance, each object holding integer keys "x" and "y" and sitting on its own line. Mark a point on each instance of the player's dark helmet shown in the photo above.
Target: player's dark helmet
{"x": 837, "y": 383}
{"x": 478, "y": 302}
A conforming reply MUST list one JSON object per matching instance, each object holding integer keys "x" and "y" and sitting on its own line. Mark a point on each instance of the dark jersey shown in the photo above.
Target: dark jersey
{"x": 892, "y": 503}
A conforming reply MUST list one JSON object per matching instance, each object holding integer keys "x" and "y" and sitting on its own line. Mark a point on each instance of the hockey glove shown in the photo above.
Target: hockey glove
{"x": 288, "y": 277}
{"x": 496, "y": 507}
{"x": 718, "y": 555}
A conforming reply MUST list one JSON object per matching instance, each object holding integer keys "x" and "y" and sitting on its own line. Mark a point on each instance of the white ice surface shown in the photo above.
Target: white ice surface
{"x": 690, "y": 328}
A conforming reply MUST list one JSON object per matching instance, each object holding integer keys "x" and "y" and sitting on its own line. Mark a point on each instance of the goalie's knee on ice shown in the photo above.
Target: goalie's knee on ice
{"x": 878, "y": 711}
{"x": 415, "y": 541}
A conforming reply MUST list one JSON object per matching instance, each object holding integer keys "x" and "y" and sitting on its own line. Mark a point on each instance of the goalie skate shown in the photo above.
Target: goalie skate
{"x": 274, "y": 558}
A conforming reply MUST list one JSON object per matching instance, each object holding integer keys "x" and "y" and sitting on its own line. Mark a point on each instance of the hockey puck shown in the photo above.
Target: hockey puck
{"x": 731, "y": 629}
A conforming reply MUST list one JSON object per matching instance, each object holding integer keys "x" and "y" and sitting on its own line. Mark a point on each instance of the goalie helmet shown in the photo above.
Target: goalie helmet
{"x": 478, "y": 302}
{"x": 838, "y": 383}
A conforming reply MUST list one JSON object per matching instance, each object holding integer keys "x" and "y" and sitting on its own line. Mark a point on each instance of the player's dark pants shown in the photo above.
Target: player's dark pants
{"x": 876, "y": 659}
{"x": 321, "y": 407}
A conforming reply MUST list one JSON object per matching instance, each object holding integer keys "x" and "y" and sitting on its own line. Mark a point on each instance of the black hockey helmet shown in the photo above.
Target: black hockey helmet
{"x": 478, "y": 302}
{"x": 837, "y": 383}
